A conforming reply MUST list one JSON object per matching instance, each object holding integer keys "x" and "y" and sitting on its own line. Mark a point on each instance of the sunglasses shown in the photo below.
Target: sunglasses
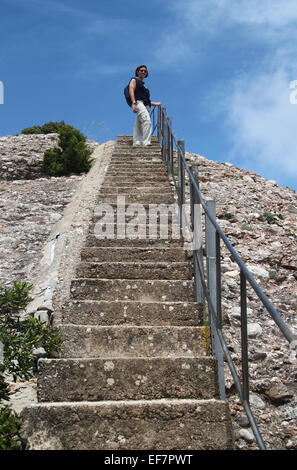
{"x": 143, "y": 71}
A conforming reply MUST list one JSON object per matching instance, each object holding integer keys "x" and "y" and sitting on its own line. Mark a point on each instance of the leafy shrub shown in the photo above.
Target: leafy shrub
{"x": 267, "y": 217}
{"x": 247, "y": 227}
{"x": 72, "y": 155}
{"x": 226, "y": 216}
{"x": 47, "y": 128}
{"x": 292, "y": 209}
{"x": 32, "y": 130}
{"x": 9, "y": 429}
{"x": 18, "y": 339}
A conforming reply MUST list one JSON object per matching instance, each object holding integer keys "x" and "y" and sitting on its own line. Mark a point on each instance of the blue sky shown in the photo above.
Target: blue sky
{"x": 222, "y": 68}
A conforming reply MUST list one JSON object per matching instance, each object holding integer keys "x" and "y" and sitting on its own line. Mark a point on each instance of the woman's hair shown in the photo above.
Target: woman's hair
{"x": 138, "y": 68}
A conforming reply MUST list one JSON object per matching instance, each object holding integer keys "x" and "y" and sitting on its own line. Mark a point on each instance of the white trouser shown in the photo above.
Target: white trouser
{"x": 143, "y": 127}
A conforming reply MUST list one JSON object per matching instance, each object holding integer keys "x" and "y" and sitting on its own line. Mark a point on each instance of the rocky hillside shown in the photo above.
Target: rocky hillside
{"x": 260, "y": 220}
{"x": 30, "y": 205}
{"x": 21, "y": 156}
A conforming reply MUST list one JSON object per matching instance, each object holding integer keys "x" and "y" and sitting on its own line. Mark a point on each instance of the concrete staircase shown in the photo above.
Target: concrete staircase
{"x": 134, "y": 371}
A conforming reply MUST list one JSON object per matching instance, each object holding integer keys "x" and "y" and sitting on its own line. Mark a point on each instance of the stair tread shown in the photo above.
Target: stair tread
{"x": 121, "y": 378}
{"x": 117, "y": 403}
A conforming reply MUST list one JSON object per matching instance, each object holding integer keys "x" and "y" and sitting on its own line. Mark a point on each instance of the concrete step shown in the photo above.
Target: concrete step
{"x": 93, "y": 240}
{"x": 136, "y": 425}
{"x": 137, "y": 214}
{"x": 90, "y": 341}
{"x": 129, "y": 138}
{"x": 138, "y": 290}
{"x": 128, "y": 148}
{"x": 144, "y": 214}
{"x": 141, "y": 214}
{"x": 118, "y": 160}
{"x": 142, "y": 148}
{"x": 127, "y": 161}
{"x": 131, "y": 178}
{"x": 122, "y": 205}
{"x": 139, "y": 190}
{"x": 138, "y": 174}
{"x": 134, "y": 270}
{"x": 129, "y": 143}
{"x": 122, "y": 254}
{"x": 148, "y": 183}
{"x": 126, "y": 164}
{"x": 114, "y": 312}
{"x": 145, "y": 173}
{"x": 133, "y": 231}
{"x": 134, "y": 197}
{"x": 126, "y": 379}
{"x": 137, "y": 160}
{"x": 137, "y": 153}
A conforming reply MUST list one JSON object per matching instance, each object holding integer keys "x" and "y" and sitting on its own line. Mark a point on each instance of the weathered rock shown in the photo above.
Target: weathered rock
{"x": 279, "y": 394}
{"x": 254, "y": 330}
{"x": 247, "y": 435}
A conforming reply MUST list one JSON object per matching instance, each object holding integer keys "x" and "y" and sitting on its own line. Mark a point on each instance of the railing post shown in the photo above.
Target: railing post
{"x": 152, "y": 115}
{"x": 170, "y": 148}
{"x": 244, "y": 339}
{"x": 196, "y": 219}
{"x": 167, "y": 142}
{"x": 181, "y": 181}
{"x": 213, "y": 281}
{"x": 164, "y": 127}
{"x": 159, "y": 126}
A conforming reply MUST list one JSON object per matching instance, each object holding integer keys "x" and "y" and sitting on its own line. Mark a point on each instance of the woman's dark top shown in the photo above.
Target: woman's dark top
{"x": 142, "y": 93}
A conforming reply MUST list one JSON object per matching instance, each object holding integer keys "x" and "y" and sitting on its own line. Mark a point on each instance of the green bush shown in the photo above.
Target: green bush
{"x": 32, "y": 130}
{"x": 72, "y": 155}
{"x": 9, "y": 429}
{"x": 226, "y": 216}
{"x": 267, "y": 217}
{"x": 47, "y": 128}
{"x": 18, "y": 339}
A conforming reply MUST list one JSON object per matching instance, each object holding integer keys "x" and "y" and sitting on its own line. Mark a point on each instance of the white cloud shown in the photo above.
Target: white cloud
{"x": 252, "y": 101}
{"x": 92, "y": 69}
{"x": 207, "y": 14}
{"x": 193, "y": 24}
{"x": 106, "y": 26}
{"x": 173, "y": 48}
{"x": 262, "y": 124}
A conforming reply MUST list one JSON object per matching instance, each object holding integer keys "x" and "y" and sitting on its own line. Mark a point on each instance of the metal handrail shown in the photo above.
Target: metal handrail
{"x": 154, "y": 121}
{"x": 167, "y": 139}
